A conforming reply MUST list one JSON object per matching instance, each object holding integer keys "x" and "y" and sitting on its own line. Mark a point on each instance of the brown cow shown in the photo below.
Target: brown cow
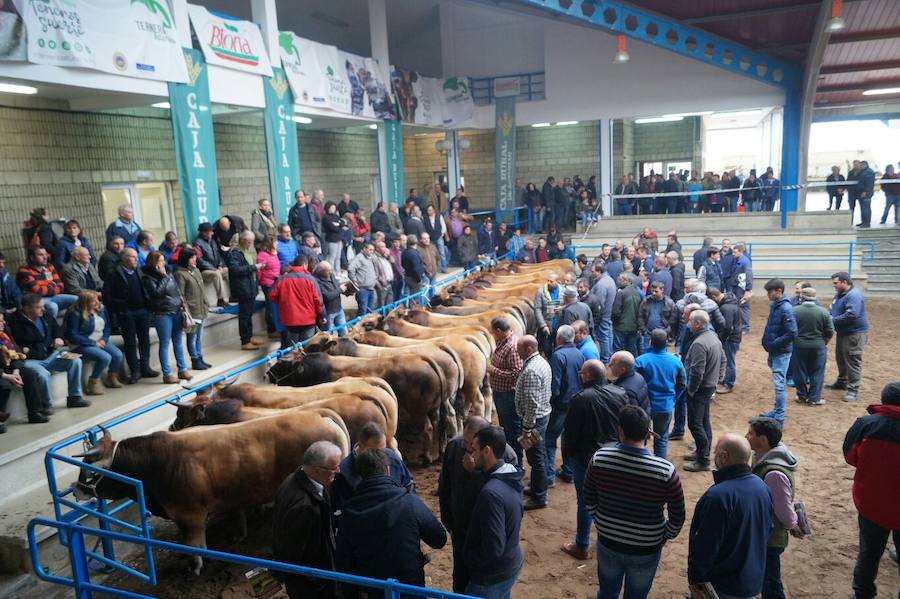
{"x": 442, "y": 321}
{"x": 426, "y": 418}
{"x": 206, "y": 470}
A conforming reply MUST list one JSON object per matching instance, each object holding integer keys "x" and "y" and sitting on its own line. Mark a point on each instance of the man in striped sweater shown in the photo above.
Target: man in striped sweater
{"x": 625, "y": 490}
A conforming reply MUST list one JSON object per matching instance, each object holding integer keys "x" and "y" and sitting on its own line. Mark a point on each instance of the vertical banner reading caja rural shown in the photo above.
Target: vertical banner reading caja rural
{"x": 505, "y": 151}
{"x": 195, "y": 151}
{"x": 393, "y": 149}
{"x": 282, "y": 154}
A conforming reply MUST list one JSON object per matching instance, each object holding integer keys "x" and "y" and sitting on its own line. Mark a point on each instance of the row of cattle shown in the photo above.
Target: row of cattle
{"x": 415, "y": 372}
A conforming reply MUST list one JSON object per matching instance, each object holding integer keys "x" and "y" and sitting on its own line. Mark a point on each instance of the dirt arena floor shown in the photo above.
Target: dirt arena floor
{"x": 817, "y": 567}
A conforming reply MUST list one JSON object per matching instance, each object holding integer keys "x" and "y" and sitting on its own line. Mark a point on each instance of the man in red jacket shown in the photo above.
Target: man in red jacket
{"x": 299, "y": 301}
{"x": 872, "y": 445}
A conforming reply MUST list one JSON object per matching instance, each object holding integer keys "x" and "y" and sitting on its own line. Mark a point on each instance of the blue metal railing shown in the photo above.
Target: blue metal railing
{"x": 500, "y": 216}
{"x": 531, "y": 87}
{"x": 69, "y": 512}
{"x": 83, "y": 587}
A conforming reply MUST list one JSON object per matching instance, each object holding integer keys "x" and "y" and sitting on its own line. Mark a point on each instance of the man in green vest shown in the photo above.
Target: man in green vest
{"x": 775, "y": 464}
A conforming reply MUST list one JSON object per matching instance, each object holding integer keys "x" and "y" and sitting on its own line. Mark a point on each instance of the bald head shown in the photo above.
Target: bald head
{"x": 593, "y": 371}
{"x": 732, "y": 450}
{"x": 526, "y": 345}
{"x": 621, "y": 364}
{"x": 474, "y": 424}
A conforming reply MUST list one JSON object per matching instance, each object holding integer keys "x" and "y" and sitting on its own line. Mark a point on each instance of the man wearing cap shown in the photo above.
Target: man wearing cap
{"x": 573, "y": 310}
{"x": 211, "y": 262}
{"x": 814, "y": 331}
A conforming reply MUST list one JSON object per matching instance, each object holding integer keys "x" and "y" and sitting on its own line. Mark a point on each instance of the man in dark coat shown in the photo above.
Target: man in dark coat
{"x": 458, "y": 488}
{"x": 242, "y": 282}
{"x": 730, "y": 335}
{"x": 701, "y": 254}
{"x": 302, "y": 529}
{"x": 622, "y": 374}
{"x": 676, "y": 269}
{"x": 383, "y": 526}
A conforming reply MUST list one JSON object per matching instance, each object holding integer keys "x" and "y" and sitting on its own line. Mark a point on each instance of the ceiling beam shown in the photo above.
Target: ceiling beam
{"x": 761, "y": 12}
{"x": 862, "y": 85}
{"x": 865, "y": 36}
{"x": 783, "y": 47}
{"x": 858, "y": 67}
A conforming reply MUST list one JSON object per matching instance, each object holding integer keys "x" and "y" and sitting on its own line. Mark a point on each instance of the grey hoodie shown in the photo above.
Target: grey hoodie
{"x": 778, "y": 483}
{"x": 706, "y": 304}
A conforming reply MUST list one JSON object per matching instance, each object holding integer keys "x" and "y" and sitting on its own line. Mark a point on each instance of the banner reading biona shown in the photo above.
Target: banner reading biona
{"x": 195, "y": 150}
{"x": 123, "y": 37}
{"x": 230, "y": 43}
{"x": 325, "y": 77}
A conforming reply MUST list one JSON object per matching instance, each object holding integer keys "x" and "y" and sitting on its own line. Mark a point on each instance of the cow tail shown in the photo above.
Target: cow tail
{"x": 336, "y": 418}
{"x": 459, "y": 401}
{"x": 446, "y": 413}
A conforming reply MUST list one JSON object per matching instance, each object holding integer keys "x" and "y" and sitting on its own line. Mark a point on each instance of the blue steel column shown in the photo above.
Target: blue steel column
{"x": 790, "y": 150}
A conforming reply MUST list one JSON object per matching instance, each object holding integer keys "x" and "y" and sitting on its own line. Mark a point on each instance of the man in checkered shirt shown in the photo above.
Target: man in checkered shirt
{"x": 533, "y": 408}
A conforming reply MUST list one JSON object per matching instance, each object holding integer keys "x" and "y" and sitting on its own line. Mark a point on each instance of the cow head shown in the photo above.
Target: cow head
{"x": 398, "y": 313}
{"x": 189, "y": 413}
{"x": 369, "y": 322}
{"x": 320, "y": 342}
{"x": 100, "y": 454}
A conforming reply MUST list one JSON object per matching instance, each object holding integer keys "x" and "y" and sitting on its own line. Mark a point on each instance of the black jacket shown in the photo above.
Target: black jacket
{"x": 379, "y": 222}
{"x": 162, "y": 292}
{"x": 413, "y": 266}
{"x": 27, "y": 337}
{"x": 731, "y": 312}
{"x": 458, "y": 488}
{"x": 492, "y": 541}
{"x": 382, "y": 527}
{"x": 241, "y": 275}
{"x": 303, "y": 534}
{"x": 414, "y": 226}
{"x": 331, "y": 293}
{"x": 699, "y": 258}
{"x": 677, "y": 272}
{"x": 346, "y": 481}
{"x": 210, "y": 257}
{"x": 592, "y": 420}
{"x": 106, "y": 264}
{"x": 635, "y": 388}
{"x": 332, "y": 227}
{"x": 436, "y": 231}
{"x": 116, "y": 294}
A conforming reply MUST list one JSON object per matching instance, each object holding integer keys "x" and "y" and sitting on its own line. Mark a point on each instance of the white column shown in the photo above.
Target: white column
{"x": 182, "y": 22}
{"x": 265, "y": 15}
{"x": 378, "y": 33}
{"x": 606, "y": 163}
{"x": 453, "y": 174}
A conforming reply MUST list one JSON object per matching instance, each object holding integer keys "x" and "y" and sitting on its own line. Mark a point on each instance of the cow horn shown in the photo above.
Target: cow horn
{"x": 104, "y": 430}
{"x": 89, "y": 453}
{"x": 229, "y": 382}
{"x": 179, "y": 404}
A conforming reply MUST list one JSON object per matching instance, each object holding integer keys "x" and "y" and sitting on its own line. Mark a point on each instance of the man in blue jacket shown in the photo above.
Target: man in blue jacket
{"x": 492, "y": 551}
{"x": 731, "y": 525}
{"x": 382, "y": 527}
{"x": 487, "y": 240}
{"x": 665, "y": 375}
{"x": 778, "y": 341}
{"x": 848, "y": 312}
{"x": 565, "y": 369}
{"x": 740, "y": 281}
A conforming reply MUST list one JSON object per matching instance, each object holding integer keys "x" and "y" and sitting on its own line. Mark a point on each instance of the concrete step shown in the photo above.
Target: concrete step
{"x": 716, "y": 224}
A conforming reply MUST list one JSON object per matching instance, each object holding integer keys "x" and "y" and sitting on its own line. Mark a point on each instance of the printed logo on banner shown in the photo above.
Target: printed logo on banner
{"x": 279, "y": 85}
{"x": 156, "y": 8}
{"x": 505, "y": 122}
{"x": 286, "y": 41}
{"x": 228, "y": 44}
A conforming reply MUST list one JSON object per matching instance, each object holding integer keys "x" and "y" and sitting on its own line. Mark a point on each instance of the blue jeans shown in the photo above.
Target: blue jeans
{"x": 109, "y": 357}
{"x": 661, "y": 422}
{"x": 637, "y": 572}
{"x": 53, "y": 363}
{"x": 554, "y": 431}
{"x": 731, "y": 349}
{"x": 195, "y": 341}
{"x": 889, "y": 201}
{"x": 505, "y": 402}
{"x": 170, "y": 329}
{"x": 442, "y": 252}
{"x": 779, "y": 364}
{"x": 605, "y": 338}
{"x": 680, "y": 416}
{"x": 365, "y": 300}
{"x": 625, "y": 341}
{"x": 58, "y": 303}
{"x": 809, "y": 372}
{"x": 772, "y": 587}
{"x": 536, "y": 456}
{"x": 537, "y": 220}
{"x": 336, "y": 319}
{"x": 623, "y": 209}
{"x": 498, "y": 590}
{"x": 583, "y": 519}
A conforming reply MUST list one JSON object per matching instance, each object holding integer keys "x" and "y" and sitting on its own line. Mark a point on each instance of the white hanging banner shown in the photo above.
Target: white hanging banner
{"x": 324, "y": 77}
{"x": 12, "y": 33}
{"x": 431, "y": 102}
{"x": 229, "y": 42}
{"x": 135, "y": 38}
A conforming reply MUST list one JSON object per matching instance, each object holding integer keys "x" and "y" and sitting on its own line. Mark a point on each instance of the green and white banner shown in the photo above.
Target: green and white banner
{"x": 229, "y": 42}
{"x": 282, "y": 153}
{"x": 12, "y": 33}
{"x": 195, "y": 150}
{"x": 325, "y": 77}
{"x": 431, "y": 102}
{"x": 505, "y": 151}
{"x": 135, "y": 38}
{"x": 393, "y": 150}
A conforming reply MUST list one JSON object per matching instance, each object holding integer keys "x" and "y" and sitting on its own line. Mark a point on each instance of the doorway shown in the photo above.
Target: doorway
{"x": 152, "y": 202}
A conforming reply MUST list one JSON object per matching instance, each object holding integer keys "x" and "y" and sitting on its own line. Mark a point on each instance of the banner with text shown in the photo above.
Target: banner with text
{"x": 282, "y": 154}
{"x": 195, "y": 150}
{"x": 431, "y": 102}
{"x": 505, "y": 151}
{"x": 12, "y": 33}
{"x": 229, "y": 42}
{"x": 325, "y": 77}
{"x": 135, "y": 38}
{"x": 393, "y": 149}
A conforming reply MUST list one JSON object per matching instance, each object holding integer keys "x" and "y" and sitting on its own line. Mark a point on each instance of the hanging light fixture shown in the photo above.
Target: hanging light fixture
{"x": 836, "y": 23}
{"x": 621, "y": 53}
